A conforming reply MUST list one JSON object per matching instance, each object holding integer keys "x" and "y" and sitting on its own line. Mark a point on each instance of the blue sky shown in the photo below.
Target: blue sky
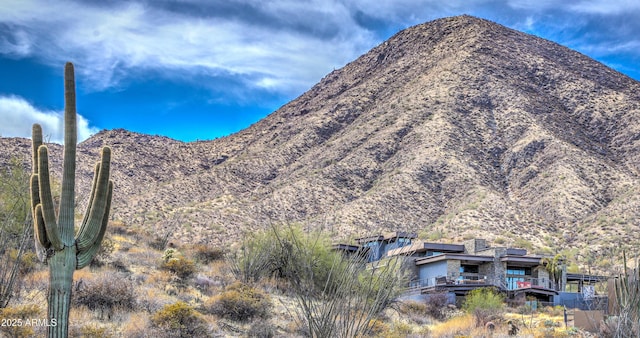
{"x": 201, "y": 69}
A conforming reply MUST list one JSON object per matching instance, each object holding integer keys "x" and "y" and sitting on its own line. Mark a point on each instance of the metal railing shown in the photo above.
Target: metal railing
{"x": 509, "y": 283}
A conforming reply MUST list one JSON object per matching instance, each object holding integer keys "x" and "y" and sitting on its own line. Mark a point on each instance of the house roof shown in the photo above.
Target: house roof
{"x": 387, "y": 236}
{"x": 522, "y": 260}
{"x": 345, "y": 247}
{"x": 466, "y": 258}
{"x": 420, "y": 246}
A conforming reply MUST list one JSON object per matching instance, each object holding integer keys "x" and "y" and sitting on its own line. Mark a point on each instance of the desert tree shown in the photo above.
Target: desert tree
{"x": 15, "y": 226}
{"x": 555, "y": 268}
{"x": 336, "y": 295}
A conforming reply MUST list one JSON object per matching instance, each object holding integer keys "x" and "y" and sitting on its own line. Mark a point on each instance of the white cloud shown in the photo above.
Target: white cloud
{"x": 18, "y": 46}
{"x": 605, "y": 7}
{"x": 283, "y": 46}
{"x": 107, "y": 42}
{"x": 18, "y": 117}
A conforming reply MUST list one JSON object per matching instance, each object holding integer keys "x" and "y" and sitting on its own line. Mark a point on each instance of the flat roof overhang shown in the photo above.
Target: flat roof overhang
{"x": 443, "y": 247}
{"x": 465, "y": 258}
{"x": 522, "y": 260}
{"x": 573, "y": 277}
{"x": 424, "y": 247}
{"x": 346, "y": 247}
{"x": 387, "y": 236}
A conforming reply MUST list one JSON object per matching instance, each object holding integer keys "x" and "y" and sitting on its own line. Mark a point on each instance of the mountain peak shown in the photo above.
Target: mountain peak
{"x": 453, "y": 127}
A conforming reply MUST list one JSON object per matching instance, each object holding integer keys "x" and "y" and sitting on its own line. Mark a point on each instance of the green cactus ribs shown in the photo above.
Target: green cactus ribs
{"x": 55, "y": 240}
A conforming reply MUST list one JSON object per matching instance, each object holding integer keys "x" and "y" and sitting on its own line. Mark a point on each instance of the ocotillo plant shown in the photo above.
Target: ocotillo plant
{"x": 627, "y": 288}
{"x": 54, "y": 236}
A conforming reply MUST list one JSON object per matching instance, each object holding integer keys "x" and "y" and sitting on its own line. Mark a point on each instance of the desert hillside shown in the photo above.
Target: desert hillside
{"x": 454, "y": 128}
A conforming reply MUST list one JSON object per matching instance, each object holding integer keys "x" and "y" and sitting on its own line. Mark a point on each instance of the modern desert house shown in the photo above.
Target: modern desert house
{"x": 455, "y": 269}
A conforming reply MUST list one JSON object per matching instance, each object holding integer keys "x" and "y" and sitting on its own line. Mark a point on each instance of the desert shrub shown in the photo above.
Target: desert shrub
{"x": 21, "y": 313}
{"x": 92, "y": 331}
{"x": 28, "y": 260}
{"x": 120, "y": 266}
{"x": 118, "y": 228}
{"x": 253, "y": 260}
{"x": 284, "y": 254}
{"x": 106, "y": 294}
{"x": 15, "y": 227}
{"x": 206, "y": 254}
{"x": 179, "y": 265}
{"x": 414, "y": 311}
{"x": 241, "y": 302}
{"x": 436, "y": 305}
{"x": 485, "y": 304}
{"x": 262, "y": 329}
{"x": 401, "y": 329}
{"x": 160, "y": 241}
{"x": 342, "y": 300}
{"x": 203, "y": 283}
{"x": 378, "y": 328}
{"x": 335, "y": 295}
{"x": 627, "y": 291}
{"x": 180, "y": 320}
{"x": 458, "y": 326}
{"x": 107, "y": 247}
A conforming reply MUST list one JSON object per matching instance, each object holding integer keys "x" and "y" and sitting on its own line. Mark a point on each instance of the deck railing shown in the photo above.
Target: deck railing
{"x": 482, "y": 280}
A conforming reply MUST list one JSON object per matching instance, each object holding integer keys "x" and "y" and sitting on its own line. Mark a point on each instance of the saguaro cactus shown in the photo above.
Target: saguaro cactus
{"x": 54, "y": 236}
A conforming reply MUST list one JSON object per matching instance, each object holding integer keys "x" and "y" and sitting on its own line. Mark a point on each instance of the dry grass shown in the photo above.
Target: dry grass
{"x": 156, "y": 289}
{"x": 456, "y": 326}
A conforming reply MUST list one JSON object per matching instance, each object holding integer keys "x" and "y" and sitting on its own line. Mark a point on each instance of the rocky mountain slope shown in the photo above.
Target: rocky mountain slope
{"x": 456, "y": 127}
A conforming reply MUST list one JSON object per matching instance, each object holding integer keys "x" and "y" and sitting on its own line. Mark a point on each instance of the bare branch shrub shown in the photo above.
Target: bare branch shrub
{"x": 336, "y": 296}
{"x": 627, "y": 288}
{"x": 15, "y": 227}
{"x": 253, "y": 260}
{"x": 106, "y": 295}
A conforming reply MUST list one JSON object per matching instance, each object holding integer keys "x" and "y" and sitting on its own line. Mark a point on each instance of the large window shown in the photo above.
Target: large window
{"x": 374, "y": 250}
{"x": 517, "y": 275}
{"x": 468, "y": 268}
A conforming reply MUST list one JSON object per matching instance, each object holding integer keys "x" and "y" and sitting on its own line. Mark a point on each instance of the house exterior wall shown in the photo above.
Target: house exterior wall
{"x": 472, "y": 246}
{"x": 430, "y": 271}
{"x": 486, "y": 269}
{"x": 543, "y": 276}
{"x": 499, "y": 267}
{"x": 453, "y": 269}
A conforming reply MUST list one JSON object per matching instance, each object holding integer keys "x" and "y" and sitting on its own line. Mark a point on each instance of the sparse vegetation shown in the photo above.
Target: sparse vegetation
{"x": 485, "y": 304}
{"x": 21, "y": 313}
{"x": 436, "y": 158}
{"x": 241, "y": 302}
{"x": 179, "y": 265}
{"x": 206, "y": 254}
{"x": 179, "y": 320}
{"x": 15, "y": 229}
{"x": 106, "y": 294}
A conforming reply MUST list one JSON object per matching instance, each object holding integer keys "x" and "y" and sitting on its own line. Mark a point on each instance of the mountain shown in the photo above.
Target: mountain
{"x": 454, "y": 128}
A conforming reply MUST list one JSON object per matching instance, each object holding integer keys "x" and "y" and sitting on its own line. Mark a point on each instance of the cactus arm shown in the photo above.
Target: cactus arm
{"x": 83, "y": 258}
{"x": 36, "y": 141}
{"x": 96, "y": 174}
{"x": 46, "y": 199}
{"x": 66, "y": 216}
{"x": 39, "y": 230}
{"x": 90, "y": 230}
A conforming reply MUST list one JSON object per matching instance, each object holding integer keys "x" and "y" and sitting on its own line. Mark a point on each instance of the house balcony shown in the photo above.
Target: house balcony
{"x": 466, "y": 283}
